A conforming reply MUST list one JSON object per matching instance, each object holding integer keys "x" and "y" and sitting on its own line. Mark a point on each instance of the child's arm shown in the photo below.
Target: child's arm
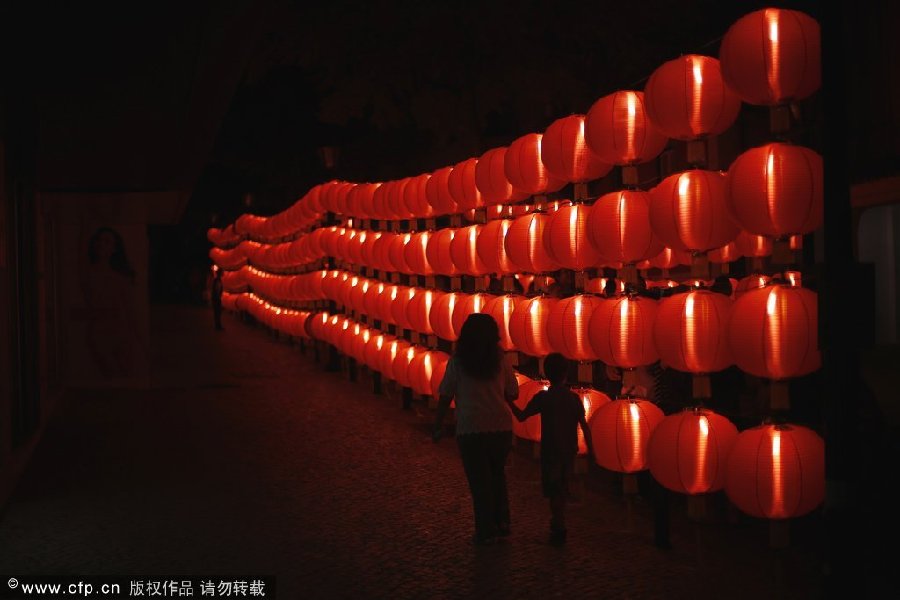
{"x": 533, "y": 408}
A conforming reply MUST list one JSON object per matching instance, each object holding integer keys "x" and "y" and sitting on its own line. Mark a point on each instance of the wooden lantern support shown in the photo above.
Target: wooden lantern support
{"x": 779, "y": 396}
{"x": 702, "y": 388}
{"x": 580, "y": 191}
{"x": 585, "y": 371}
{"x": 630, "y": 177}
{"x": 700, "y": 265}
{"x": 696, "y": 153}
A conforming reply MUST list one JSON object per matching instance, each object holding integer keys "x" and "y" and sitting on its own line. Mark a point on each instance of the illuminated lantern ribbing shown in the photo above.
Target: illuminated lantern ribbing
{"x": 441, "y": 317}
{"x": 491, "y": 249}
{"x": 367, "y": 250}
{"x": 395, "y": 198}
{"x": 392, "y": 350}
{"x": 568, "y": 324}
{"x": 524, "y": 243}
{"x": 688, "y": 451}
{"x": 400, "y": 306}
{"x": 418, "y": 311}
{"x": 437, "y": 192}
{"x": 490, "y": 177}
{"x": 667, "y": 259}
{"x": 565, "y": 152}
{"x": 464, "y": 251}
{"x": 365, "y": 199}
{"x": 397, "y": 253}
{"x": 618, "y": 227}
{"x": 773, "y": 332}
{"x": 618, "y": 131}
{"x": 390, "y": 295}
{"x": 687, "y": 99}
{"x": 726, "y": 254}
{"x": 776, "y": 471}
{"x": 403, "y": 360}
{"x": 621, "y": 431}
{"x": 462, "y": 185}
{"x": 690, "y": 331}
{"x": 688, "y": 211}
{"x": 416, "y": 255}
{"x": 524, "y": 168}
{"x": 565, "y": 238}
{"x": 750, "y": 282}
{"x": 438, "y": 251}
{"x": 621, "y": 331}
{"x": 776, "y": 190}
{"x": 502, "y": 308}
{"x": 528, "y": 326}
{"x": 753, "y": 246}
{"x": 414, "y": 197}
{"x": 772, "y": 56}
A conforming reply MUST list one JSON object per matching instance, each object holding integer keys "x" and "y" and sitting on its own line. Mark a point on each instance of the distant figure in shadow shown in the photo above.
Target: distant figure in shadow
{"x": 215, "y": 297}
{"x": 482, "y": 382}
{"x": 561, "y": 413}
{"x": 107, "y": 281}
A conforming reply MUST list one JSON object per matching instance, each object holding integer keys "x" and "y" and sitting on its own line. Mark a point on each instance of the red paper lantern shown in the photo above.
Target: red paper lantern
{"x": 726, "y": 254}
{"x": 773, "y": 332}
{"x": 524, "y": 243}
{"x": 690, "y": 331}
{"x": 416, "y": 255}
{"x": 687, "y": 99}
{"x": 397, "y": 253}
{"x": 402, "y": 362}
{"x": 772, "y": 56}
{"x": 364, "y": 199}
{"x": 372, "y": 301}
{"x": 776, "y": 471}
{"x": 421, "y": 370}
{"x": 471, "y": 303}
{"x": 373, "y": 350}
{"x": 667, "y": 259}
{"x": 491, "y": 249}
{"x": 419, "y": 310}
{"x": 591, "y": 399}
{"x": 400, "y": 305}
{"x": 441, "y": 317}
{"x": 530, "y": 428}
{"x": 621, "y": 431}
{"x": 367, "y": 248}
{"x": 464, "y": 251}
{"x": 621, "y": 331}
{"x": 618, "y": 227}
{"x": 379, "y": 202}
{"x": 490, "y": 177}
{"x": 462, "y": 185}
{"x": 618, "y": 131}
{"x": 688, "y": 451}
{"x": 438, "y": 251}
{"x": 501, "y": 308}
{"x": 395, "y": 199}
{"x": 392, "y": 350}
{"x": 439, "y": 368}
{"x": 565, "y": 239}
{"x": 437, "y": 193}
{"x": 688, "y": 211}
{"x": 567, "y": 327}
{"x": 565, "y": 153}
{"x": 414, "y": 197}
{"x": 753, "y": 246}
{"x": 528, "y": 325}
{"x": 776, "y": 190}
{"x": 524, "y": 168}
{"x": 381, "y": 251}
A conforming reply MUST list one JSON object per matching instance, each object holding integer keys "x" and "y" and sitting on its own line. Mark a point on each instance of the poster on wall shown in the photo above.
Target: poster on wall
{"x": 104, "y": 260}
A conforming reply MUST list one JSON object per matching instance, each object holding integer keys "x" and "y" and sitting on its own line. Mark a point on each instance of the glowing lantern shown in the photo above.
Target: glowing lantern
{"x": 395, "y": 350}
{"x": 372, "y": 301}
{"x": 726, "y": 254}
{"x": 490, "y": 177}
{"x": 502, "y": 308}
{"x": 524, "y": 243}
{"x": 420, "y": 371}
{"x": 414, "y": 198}
{"x": 776, "y": 471}
{"x": 373, "y": 350}
{"x": 667, "y": 259}
{"x": 524, "y": 168}
{"x": 565, "y": 152}
{"x": 441, "y": 317}
{"x": 751, "y": 282}
{"x": 395, "y": 198}
{"x": 688, "y": 451}
{"x": 400, "y": 306}
{"x": 591, "y": 399}
{"x": 419, "y": 310}
{"x": 753, "y": 246}
{"x": 462, "y": 185}
{"x": 690, "y": 331}
{"x": 687, "y": 99}
{"x": 471, "y": 303}
{"x": 772, "y": 56}
{"x": 621, "y": 331}
{"x": 416, "y": 255}
{"x": 358, "y": 294}
{"x": 381, "y": 251}
{"x": 773, "y": 332}
{"x": 567, "y": 327}
{"x": 776, "y": 190}
{"x": 365, "y": 199}
{"x": 397, "y": 253}
{"x": 355, "y": 246}
{"x": 530, "y": 428}
{"x": 565, "y": 239}
{"x": 621, "y": 431}
{"x": 688, "y": 211}
{"x": 437, "y": 192}
{"x": 438, "y": 251}
{"x": 390, "y": 294}
{"x": 618, "y": 131}
{"x": 528, "y": 326}
{"x": 618, "y": 227}
{"x": 379, "y": 202}
{"x": 464, "y": 251}
{"x": 367, "y": 249}
{"x": 491, "y": 249}
{"x": 402, "y": 365}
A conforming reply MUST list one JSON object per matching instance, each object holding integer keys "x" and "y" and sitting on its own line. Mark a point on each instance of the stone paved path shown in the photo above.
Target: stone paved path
{"x": 246, "y": 457}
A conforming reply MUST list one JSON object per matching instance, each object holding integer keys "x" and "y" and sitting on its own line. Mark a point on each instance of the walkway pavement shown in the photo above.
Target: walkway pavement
{"x": 245, "y": 457}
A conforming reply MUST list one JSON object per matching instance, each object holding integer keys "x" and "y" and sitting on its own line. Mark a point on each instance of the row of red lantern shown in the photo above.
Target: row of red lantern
{"x": 697, "y": 331}
{"x": 770, "y": 471}
{"x": 768, "y": 57}
{"x": 226, "y": 237}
